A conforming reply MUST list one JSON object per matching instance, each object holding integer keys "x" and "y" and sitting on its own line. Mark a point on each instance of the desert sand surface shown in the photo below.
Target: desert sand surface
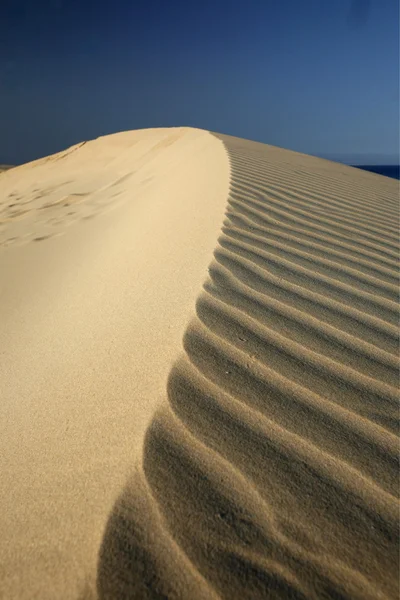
{"x": 199, "y": 373}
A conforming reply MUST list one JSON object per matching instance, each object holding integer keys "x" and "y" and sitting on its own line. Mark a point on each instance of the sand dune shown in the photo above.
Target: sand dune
{"x": 234, "y": 433}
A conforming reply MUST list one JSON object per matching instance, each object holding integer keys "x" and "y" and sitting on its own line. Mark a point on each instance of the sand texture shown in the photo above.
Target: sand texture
{"x": 201, "y": 384}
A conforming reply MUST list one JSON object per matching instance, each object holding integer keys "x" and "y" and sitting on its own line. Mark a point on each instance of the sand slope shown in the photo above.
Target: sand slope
{"x": 183, "y": 434}
{"x": 271, "y": 471}
{"x": 95, "y": 293}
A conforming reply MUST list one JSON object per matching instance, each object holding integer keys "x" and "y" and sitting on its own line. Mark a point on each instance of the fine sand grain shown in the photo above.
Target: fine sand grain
{"x": 173, "y": 432}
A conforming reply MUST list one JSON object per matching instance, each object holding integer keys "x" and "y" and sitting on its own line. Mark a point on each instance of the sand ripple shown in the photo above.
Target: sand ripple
{"x": 271, "y": 470}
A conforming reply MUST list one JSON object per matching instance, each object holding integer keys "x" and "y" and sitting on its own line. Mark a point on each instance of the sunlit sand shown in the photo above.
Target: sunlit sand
{"x": 199, "y": 373}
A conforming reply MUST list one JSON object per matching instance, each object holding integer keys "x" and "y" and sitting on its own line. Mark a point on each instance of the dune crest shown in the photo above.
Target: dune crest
{"x": 271, "y": 470}
{"x": 41, "y": 199}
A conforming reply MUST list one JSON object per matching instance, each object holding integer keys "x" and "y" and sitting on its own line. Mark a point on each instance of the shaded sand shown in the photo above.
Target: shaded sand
{"x": 91, "y": 320}
{"x": 269, "y": 468}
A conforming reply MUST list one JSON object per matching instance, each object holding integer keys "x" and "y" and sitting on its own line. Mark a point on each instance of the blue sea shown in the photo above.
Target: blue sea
{"x": 386, "y": 170}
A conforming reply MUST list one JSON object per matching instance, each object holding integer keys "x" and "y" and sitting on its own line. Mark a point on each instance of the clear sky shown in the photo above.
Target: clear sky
{"x": 317, "y": 76}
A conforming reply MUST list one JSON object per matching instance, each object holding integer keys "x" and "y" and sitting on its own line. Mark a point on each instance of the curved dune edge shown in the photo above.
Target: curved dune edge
{"x": 271, "y": 469}
{"x": 91, "y": 321}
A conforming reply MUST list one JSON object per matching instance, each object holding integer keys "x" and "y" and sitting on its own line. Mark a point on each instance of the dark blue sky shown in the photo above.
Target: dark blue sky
{"x": 311, "y": 75}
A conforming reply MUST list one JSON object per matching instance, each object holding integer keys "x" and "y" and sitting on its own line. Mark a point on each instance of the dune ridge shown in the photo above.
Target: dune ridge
{"x": 272, "y": 468}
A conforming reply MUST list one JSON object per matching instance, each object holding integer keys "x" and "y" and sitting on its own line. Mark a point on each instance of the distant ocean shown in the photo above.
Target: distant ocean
{"x": 386, "y": 170}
